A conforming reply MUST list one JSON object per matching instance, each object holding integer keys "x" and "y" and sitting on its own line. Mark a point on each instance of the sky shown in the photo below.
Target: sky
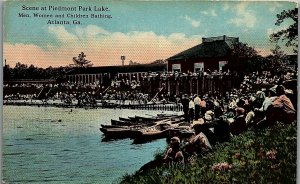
{"x": 142, "y": 31}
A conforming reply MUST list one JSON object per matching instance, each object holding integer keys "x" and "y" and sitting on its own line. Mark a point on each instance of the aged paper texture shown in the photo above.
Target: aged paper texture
{"x": 149, "y": 91}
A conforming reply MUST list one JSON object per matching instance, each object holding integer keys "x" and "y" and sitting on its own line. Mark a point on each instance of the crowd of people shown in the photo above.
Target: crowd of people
{"x": 176, "y": 74}
{"x": 266, "y": 78}
{"x": 125, "y": 88}
{"x": 213, "y": 116}
{"x": 214, "y": 122}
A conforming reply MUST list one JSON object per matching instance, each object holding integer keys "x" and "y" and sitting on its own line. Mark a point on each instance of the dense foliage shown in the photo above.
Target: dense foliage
{"x": 23, "y": 71}
{"x": 290, "y": 34}
{"x": 244, "y": 58}
{"x": 264, "y": 156}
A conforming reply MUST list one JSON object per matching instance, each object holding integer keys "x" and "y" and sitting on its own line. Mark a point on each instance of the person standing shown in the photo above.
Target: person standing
{"x": 191, "y": 110}
{"x": 197, "y": 102}
{"x": 203, "y": 106}
{"x": 185, "y": 107}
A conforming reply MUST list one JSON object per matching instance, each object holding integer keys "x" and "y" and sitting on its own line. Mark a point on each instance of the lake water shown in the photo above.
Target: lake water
{"x": 55, "y": 145}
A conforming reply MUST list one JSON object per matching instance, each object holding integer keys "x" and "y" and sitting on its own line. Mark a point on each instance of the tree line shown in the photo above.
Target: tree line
{"x": 23, "y": 71}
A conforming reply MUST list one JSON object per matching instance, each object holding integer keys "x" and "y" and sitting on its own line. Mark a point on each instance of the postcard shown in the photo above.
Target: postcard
{"x": 149, "y": 91}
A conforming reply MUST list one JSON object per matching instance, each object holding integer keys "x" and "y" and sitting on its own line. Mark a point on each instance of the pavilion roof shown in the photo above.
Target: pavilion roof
{"x": 210, "y": 47}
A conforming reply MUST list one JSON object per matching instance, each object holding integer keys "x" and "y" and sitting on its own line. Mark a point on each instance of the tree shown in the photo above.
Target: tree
{"x": 276, "y": 62}
{"x": 7, "y": 73}
{"x": 244, "y": 58}
{"x": 289, "y": 35}
{"x": 159, "y": 61}
{"x": 23, "y": 71}
{"x": 133, "y": 63}
{"x": 242, "y": 50}
{"x": 20, "y": 71}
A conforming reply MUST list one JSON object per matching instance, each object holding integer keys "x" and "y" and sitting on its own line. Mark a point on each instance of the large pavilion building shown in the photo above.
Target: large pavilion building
{"x": 212, "y": 54}
{"x": 101, "y": 74}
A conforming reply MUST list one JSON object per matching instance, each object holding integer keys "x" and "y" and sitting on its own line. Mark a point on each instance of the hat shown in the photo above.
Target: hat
{"x": 175, "y": 139}
{"x": 240, "y": 110}
{"x": 260, "y": 94}
{"x": 230, "y": 120}
{"x": 288, "y": 91}
{"x": 216, "y": 103}
{"x": 209, "y": 112}
{"x": 272, "y": 91}
{"x": 207, "y": 117}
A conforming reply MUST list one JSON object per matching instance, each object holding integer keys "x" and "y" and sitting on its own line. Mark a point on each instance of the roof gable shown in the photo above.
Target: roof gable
{"x": 210, "y": 47}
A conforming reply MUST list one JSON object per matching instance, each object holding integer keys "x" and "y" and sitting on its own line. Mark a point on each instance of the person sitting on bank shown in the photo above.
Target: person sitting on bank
{"x": 269, "y": 99}
{"x": 281, "y": 108}
{"x": 174, "y": 154}
{"x": 239, "y": 124}
{"x": 215, "y": 131}
{"x": 198, "y": 145}
{"x": 257, "y": 116}
{"x": 218, "y": 110}
{"x": 209, "y": 116}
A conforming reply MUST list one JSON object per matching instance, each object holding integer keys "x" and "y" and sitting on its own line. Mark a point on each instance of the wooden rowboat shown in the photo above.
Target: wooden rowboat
{"x": 118, "y": 133}
{"x": 150, "y": 136}
{"x": 125, "y": 119}
{"x": 113, "y": 126}
{"x": 120, "y": 123}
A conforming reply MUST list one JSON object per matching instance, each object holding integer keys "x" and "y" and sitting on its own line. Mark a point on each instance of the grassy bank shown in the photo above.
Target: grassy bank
{"x": 265, "y": 156}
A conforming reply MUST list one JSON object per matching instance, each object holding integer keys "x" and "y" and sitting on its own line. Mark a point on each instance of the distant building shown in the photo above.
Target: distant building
{"x": 212, "y": 54}
{"x": 104, "y": 73}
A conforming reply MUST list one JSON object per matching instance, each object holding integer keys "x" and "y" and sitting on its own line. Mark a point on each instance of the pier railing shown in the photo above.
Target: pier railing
{"x": 107, "y": 105}
{"x": 190, "y": 84}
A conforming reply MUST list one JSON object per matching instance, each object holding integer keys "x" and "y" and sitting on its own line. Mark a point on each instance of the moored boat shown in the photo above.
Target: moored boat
{"x": 120, "y": 123}
{"x": 125, "y": 119}
{"x": 142, "y": 129}
{"x": 114, "y": 126}
{"x": 151, "y": 135}
{"x": 118, "y": 133}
